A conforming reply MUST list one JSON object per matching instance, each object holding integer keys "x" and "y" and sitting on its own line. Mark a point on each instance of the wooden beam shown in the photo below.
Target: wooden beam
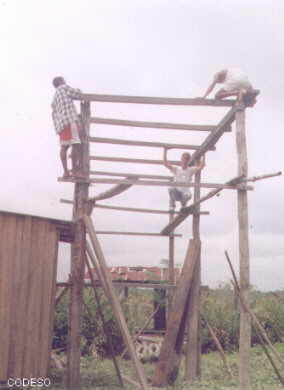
{"x": 115, "y": 190}
{"x": 131, "y": 209}
{"x": 115, "y": 141}
{"x": 163, "y": 183}
{"x": 132, "y": 160}
{"x": 256, "y": 178}
{"x": 193, "y": 346}
{"x": 153, "y": 125}
{"x": 167, "y": 367}
{"x": 245, "y": 323}
{"x": 124, "y": 174}
{"x": 190, "y": 209}
{"x": 78, "y": 258}
{"x": 117, "y": 310}
{"x": 122, "y": 283}
{"x": 156, "y": 100}
{"x": 135, "y": 233}
{"x": 215, "y": 135}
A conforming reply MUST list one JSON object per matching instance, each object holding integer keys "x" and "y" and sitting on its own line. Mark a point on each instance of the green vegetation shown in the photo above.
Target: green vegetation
{"x": 219, "y": 307}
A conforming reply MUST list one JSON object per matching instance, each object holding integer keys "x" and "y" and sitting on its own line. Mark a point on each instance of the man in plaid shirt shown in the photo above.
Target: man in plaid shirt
{"x": 66, "y": 123}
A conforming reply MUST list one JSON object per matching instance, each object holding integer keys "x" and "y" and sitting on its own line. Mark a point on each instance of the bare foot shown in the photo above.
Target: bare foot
{"x": 66, "y": 174}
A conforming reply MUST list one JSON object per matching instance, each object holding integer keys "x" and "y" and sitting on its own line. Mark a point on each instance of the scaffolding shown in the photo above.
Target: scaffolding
{"x": 186, "y": 300}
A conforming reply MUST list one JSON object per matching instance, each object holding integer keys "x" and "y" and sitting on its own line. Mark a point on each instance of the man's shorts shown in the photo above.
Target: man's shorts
{"x": 70, "y": 135}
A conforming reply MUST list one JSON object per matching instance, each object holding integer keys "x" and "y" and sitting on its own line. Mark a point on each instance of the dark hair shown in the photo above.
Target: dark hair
{"x": 57, "y": 81}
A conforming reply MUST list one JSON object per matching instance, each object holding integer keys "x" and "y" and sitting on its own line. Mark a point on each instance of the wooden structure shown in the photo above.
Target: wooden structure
{"x": 28, "y": 253}
{"x": 189, "y": 311}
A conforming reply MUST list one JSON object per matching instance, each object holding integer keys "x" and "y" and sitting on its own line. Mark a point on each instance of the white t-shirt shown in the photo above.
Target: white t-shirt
{"x": 184, "y": 176}
{"x": 236, "y": 79}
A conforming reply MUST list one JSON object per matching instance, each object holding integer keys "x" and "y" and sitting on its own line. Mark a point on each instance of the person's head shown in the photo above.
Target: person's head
{"x": 220, "y": 76}
{"x": 185, "y": 159}
{"x": 57, "y": 81}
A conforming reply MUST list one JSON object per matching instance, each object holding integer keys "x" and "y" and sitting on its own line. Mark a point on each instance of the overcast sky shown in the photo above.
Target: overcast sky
{"x": 149, "y": 48}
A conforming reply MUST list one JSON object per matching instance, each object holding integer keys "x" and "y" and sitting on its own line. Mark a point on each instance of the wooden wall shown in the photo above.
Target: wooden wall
{"x": 28, "y": 262}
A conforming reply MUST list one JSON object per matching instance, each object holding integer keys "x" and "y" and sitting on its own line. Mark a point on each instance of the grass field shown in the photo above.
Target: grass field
{"x": 100, "y": 374}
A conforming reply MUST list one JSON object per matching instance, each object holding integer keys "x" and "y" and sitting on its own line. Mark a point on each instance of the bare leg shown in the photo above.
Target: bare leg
{"x": 75, "y": 156}
{"x": 221, "y": 94}
{"x": 63, "y": 157}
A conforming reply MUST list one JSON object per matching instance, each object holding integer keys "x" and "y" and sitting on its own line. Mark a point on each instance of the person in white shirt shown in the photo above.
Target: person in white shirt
{"x": 182, "y": 174}
{"x": 235, "y": 83}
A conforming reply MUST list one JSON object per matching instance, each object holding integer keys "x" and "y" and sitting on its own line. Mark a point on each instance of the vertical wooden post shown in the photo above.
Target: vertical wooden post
{"x": 78, "y": 257}
{"x": 245, "y": 324}
{"x": 171, "y": 263}
{"x": 193, "y": 350}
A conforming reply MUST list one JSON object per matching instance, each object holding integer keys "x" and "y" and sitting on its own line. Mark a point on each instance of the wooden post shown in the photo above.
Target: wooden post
{"x": 78, "y": 258}
{"x": 193, "y": 349}
{"x": 245, "y": 323}
{"x": 171, "y": 262}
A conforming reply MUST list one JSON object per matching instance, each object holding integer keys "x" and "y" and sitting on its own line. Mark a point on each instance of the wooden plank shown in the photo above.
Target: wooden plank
{"x": 78, "y": 256}
{"x": 132, "y": 160}
{"x": 121, "y": 283}
{"x": 193, "y": 346}
{"x": 245, "y": 323}
{"x": 49, "y": 268}
{"x": 15, "y": 280}
{"x": 153, "y": 125}
{"x": 32, "y": 302}
{"x": 115, "y": 190}
{"x": 187, "y": 210}
{"x": 131, "y": 175}
{"x": 134, "y": 233}
{"x": 215, "y": 135}
{"x": 131, "y": 209}
{"x": 115, "y": 302}
{"x": 156, "y": 100}
{"x": 21, "y": 290}
{"x": 131, "y": 182}
{"x": 115, "y": 141}
{"x": 167, "y": 360}
{"x": 7, "y": 246}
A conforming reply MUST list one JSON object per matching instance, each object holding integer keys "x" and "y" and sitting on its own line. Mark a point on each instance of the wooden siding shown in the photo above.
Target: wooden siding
{"x": 28, "y": 263}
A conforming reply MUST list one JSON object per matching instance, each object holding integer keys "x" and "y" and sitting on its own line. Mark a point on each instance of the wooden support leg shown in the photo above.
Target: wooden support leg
{"x": 166, "y": 369}
{"x": 245, "y": 323}
{"x": 117, "y": 310}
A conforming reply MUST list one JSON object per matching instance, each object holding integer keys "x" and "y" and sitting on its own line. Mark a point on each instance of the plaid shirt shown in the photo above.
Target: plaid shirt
{"x": 63, "y": 109}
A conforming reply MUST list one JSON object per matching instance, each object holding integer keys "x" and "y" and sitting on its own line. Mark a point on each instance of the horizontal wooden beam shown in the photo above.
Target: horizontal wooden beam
{"x": 122, "y": 283}
{"x": 144, "y": 143}
{"x": 156, "y": 100}
{"x": 132, "y": 160}
{"x": 134, "y": 233}
{"x": 188, "y": 210}
{"x": 132, "y": 209}
{"x": 124, "y": 174}
{"x": 153, "y": 125}
{"x": 216, "y": 134}
{"x": 166, "y": 184}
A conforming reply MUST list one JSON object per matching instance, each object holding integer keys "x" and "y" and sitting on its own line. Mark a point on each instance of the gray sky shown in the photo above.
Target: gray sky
{"x": 150, "y": 48}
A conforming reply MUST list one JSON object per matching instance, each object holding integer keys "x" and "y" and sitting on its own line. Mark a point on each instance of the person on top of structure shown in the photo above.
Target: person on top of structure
{"x": 235, "y": 83}
{"x": 66, "y": 123}
{"x": 182, "y": 174}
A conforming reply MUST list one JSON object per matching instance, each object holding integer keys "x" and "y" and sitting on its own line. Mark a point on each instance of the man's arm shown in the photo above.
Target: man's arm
{"x": 201, "y": 164}
{"x": 73, "y": 92}
{"x": 166, "y": 163}
{"x": 210, "y": 88}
